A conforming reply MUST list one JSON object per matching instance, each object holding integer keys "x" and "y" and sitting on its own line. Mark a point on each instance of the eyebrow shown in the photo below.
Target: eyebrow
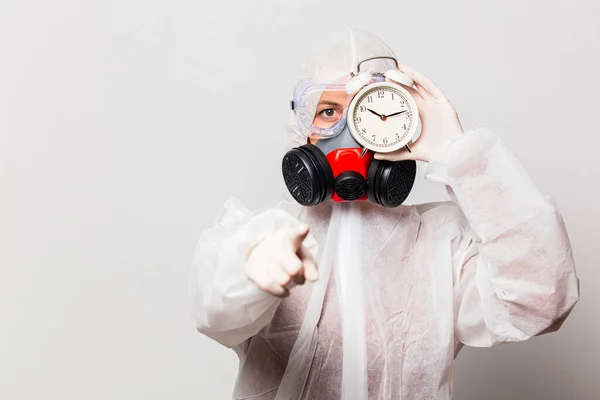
{"x": 329, "y": 103}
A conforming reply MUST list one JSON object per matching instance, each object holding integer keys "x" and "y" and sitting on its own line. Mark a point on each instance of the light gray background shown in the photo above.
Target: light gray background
{"x": 124, "y": 126}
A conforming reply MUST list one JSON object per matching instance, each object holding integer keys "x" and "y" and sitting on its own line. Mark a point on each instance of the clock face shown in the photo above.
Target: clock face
{"x": 383, "y": 117}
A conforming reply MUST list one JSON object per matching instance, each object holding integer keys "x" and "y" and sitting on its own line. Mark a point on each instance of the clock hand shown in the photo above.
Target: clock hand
{"x": 398, "y": 113}
{"x": 380, "y": 116}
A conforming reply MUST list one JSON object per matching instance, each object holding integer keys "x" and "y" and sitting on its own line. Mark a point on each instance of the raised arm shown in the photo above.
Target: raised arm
{"x": 513, "y": 265}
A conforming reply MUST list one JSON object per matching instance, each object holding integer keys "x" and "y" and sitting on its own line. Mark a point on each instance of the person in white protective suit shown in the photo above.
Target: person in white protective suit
{"x": 352, "y": 300}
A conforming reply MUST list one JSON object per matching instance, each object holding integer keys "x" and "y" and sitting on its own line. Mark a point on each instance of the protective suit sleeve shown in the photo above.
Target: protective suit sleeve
{"x": 226, "y": 305}
{"x": 514, "y": 273}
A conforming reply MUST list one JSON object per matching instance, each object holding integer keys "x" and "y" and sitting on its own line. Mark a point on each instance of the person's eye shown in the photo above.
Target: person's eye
{"x": 328, "y": 112}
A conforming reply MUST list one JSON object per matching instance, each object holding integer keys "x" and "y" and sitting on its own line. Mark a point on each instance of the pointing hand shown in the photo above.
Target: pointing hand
{"x": 280, "y": 261}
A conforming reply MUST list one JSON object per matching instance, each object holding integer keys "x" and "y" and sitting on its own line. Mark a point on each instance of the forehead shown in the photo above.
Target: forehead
{"x": 336, "y": 96}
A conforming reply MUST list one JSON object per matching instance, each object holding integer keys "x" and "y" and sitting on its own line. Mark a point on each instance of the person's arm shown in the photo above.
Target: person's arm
{"x": 514, "y": 273}
{"x": 228, "y": 307}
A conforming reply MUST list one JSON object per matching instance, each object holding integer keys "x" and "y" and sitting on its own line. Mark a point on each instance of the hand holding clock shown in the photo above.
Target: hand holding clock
{"x": 440, "y": 123}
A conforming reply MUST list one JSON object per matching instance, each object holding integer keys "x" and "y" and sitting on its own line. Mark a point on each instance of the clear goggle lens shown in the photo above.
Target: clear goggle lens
{"x": 321, "y": 108}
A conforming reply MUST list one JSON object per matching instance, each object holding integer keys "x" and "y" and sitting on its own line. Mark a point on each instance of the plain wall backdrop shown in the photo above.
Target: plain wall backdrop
{"x": 125, "y": 125}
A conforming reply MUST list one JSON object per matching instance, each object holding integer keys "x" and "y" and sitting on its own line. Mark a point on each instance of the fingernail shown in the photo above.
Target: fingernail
{"x": 302, "y": 228}
{"x": 311, "y": 275}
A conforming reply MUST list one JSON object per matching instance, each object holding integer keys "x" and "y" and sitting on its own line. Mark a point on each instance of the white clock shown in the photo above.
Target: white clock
{"x": 383, "y": 117}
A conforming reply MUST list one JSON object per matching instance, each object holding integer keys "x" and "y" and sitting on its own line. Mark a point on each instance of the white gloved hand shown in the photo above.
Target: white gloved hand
{"x": 280, "y": 261}
{"x": 440, "y": 120}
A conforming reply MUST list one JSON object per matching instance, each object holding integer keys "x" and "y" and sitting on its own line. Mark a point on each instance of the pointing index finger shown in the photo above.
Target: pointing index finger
{"x": 297, "y": 235}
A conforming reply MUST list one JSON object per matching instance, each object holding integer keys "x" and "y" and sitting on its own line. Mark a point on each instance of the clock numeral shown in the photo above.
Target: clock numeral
{"x": 363, "y": 131}
{"x": 404, "y": 126}
{"x": 358, "y": 119}
{"x": 369, "y": 99}
{"x": 385, "y": 140}
{"x": 397, "y": 136}
{"x": 380, "y": 94}
{"x": 374, "y": 136}
{"x": 392, "y": 95}
{"x": 363, "y": 108}
{"x": 402, "y": 101}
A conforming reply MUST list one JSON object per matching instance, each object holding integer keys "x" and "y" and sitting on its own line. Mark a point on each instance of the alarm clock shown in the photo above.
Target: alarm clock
{"x": 383, "y": 116}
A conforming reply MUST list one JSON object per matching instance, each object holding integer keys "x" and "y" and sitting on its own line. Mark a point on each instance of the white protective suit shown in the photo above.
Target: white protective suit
{"x": 399, "y": 290}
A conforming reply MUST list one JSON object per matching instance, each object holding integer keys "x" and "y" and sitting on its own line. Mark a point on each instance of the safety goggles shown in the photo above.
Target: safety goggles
{"x": 321, "y": 109}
